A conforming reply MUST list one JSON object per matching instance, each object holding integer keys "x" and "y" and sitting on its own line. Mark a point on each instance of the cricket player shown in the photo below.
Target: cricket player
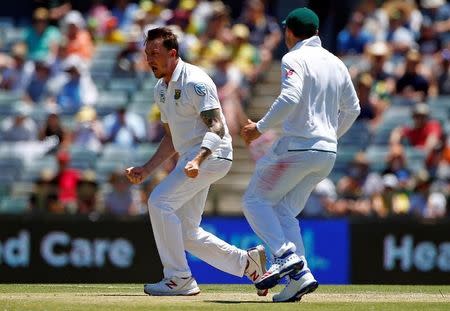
{"x": 195, "y": 128}
{"x": 316, "y": 106}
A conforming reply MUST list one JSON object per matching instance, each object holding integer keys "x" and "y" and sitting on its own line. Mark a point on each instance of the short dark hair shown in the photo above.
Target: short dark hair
{"x": 304, "y": 33}
{"x": 170, "y": 40}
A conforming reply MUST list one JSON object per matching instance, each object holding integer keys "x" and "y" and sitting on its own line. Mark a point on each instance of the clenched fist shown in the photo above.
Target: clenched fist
{"x": 250, "y": 132}
{"x": 136, "y": 174}
{"x": 191, "y": 169}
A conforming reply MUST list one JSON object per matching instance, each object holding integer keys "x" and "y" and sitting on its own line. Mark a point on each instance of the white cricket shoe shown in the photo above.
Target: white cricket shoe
{"x": 256, "y": 266}
{"x": 287, "y": 263}
{"x": 173, "y": 286}
{"x": 300, "y": 283}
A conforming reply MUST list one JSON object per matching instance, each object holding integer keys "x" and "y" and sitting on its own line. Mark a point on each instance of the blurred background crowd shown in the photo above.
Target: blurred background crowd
{"x": 76, "y": 102}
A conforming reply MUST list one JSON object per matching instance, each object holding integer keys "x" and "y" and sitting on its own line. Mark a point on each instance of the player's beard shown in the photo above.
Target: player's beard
{"x": 157, "y": 73}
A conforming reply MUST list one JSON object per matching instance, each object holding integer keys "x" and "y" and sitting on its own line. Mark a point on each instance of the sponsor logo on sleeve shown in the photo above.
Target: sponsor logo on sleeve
{"x": 200, "y": 89}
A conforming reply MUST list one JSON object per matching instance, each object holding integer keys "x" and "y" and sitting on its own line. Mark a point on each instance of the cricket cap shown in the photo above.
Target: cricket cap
{"x": 302, "y": 20}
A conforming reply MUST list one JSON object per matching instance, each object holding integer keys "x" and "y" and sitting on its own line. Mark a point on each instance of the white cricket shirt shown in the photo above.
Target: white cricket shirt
{"x": 315, "y": 88}
{"x": 189, "y": 92}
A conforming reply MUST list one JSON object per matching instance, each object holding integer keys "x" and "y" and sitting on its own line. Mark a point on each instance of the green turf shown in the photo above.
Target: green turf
{"x": 89, "y": 297}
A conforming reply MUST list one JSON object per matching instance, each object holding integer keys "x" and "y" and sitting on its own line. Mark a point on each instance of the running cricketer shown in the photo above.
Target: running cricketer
{"x": 316, "y": 106}
{"x": 195, "y": 128}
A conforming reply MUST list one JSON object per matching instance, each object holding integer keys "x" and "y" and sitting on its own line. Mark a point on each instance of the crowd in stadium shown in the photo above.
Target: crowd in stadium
{"x": 76, "y": 102}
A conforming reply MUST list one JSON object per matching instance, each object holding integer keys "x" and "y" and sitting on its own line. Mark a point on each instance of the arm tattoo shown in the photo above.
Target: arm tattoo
{"x": 213, "y": 121}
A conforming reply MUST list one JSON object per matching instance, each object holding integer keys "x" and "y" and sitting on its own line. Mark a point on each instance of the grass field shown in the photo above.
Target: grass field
{"x": 219, "y": 297}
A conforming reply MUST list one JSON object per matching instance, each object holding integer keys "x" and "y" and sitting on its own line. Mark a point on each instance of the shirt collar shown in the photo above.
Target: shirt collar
{"x": 313, "y": 41}
{"x": 177, "y": 72}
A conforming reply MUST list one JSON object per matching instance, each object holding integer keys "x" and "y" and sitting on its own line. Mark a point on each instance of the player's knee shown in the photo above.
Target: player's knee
{"x": 156, "y": 201}
{"x": 191, "y": 235}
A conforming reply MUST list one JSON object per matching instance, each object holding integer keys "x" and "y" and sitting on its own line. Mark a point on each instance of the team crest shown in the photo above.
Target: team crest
{"x": 200, "y": 89}
{"x": 177, "y": 94}
{"x": 162, "y": 96}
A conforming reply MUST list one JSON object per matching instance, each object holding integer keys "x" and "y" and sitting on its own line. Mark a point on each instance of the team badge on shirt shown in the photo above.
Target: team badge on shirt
{"x": 162, "y": 96}
{"x": 200, "y": 89}
{"x": 177, "y": 94}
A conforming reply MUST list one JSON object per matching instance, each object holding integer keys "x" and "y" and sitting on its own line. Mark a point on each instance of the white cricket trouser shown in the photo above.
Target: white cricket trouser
{"x": 176, "y": 206}
{"x": 277, "y": 193}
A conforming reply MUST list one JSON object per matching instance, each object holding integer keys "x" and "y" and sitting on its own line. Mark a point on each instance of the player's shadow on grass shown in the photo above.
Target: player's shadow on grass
{"x": 232, "y": 302}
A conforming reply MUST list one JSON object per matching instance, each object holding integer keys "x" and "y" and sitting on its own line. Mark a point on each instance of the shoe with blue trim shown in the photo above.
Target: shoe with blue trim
{"x": 288, "y": 263}
{"x": 300, "y": 284}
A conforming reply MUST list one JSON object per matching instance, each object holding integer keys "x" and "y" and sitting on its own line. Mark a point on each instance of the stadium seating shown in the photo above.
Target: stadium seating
{"x": 13, "y": 205}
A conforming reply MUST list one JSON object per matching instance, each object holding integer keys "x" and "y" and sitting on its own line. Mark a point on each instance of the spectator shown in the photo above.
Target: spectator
{"x": 396, "y": 165}
{"x": 181, "y": 15}
{"x": 41, "y": 38}
{"x": 217, "y": 25}
{"x": 425, "y": 133}
{"x": 400, "y": 38}
{"x": 124, "y": 12}
{"x": 370, "y": 112}
{"x": 79, "y": 41}
{"x": 322, "y": 200}
{"x": 357, "y": 187}
{"x": 155, "y": 129}
{"x": 44, "y": 197}
{"x": 228, "y": 80}
{"x": 353, "y": 39}
{"x": 79, "y": 89}
{"x": 444, "y": 75}
{"x": 438, "y": 160}
{"x": 38, "y": 90}
{"x": 87, "y": 192}
{"x": 214, "y": 38}
{"x": 51, "y": 128}
{"x": 130, "y": 60}
{"x": 19, "y": 127}
{"x": 413, "y": 85}
{"x": 436, "y": 206}
{"x": 421, "y": 186}
{"x": 58, "y": 9}
{"x": 124, "y": 128}
{"x": 88, "y": 132}
{"x": 359, "y": 181}
{"x": 17, "y": 76}
{"x": 265, "y": 34}
{"x": 392, "y": 200}
{"x": 264, "y": 30}
{"x": 438, "y": 11}
{"x": 112, "y": 33}
{"x": 119, "y": 201}
{"x": 429, "y": 41}
{"x": 66, "y": 181}
{"x": 381, "y": 69}
{"x": 98, "y": 16}
{"x": 245, "y": 56}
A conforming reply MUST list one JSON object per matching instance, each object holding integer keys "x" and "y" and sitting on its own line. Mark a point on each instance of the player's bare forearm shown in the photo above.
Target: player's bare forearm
{"x": 202, "y": 155}
{"x": 213, "y": 121}
{"x": 164, "y": 152}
